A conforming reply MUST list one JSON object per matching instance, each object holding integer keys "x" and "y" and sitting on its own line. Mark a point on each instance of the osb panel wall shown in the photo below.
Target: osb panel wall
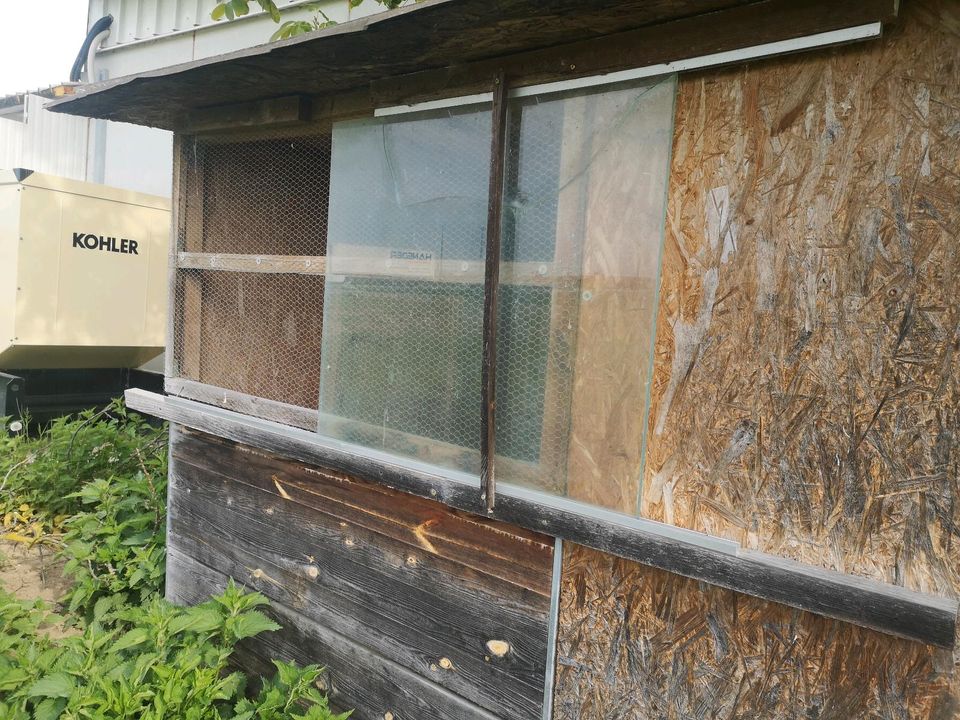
{"x": 806, "y": 393}
{"x": 806, "y": 389}
{"x": 639, "y": 643}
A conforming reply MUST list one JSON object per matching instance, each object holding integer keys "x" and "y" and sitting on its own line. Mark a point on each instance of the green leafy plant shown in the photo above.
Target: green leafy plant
{"x": 151, "y": 662}
{"x": 45, "y": 471}
{"x": 115, "y": 545}
{"x": 231, "y": 9}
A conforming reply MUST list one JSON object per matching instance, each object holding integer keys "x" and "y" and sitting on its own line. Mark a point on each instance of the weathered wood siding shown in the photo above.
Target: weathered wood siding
{"x": 398, "y": 596}
{"x": 806, "y": 393}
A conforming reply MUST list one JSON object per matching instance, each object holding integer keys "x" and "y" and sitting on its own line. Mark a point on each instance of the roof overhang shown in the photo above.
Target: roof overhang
{"x": 449, "y": 36}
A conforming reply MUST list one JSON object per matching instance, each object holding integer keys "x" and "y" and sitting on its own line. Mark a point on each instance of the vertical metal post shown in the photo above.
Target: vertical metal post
{"x": 491, "y": 288}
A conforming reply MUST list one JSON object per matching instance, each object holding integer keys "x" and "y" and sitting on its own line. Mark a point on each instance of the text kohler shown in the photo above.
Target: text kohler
{"x": 107, "y": 244}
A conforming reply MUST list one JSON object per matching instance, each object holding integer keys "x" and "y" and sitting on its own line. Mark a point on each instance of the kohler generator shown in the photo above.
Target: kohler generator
{"x": 83, "y": 295}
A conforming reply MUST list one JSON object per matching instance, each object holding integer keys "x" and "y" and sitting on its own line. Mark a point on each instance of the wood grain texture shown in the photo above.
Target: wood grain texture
{"x": 638, "y": 643}
{"x": 355, "y": 677}
{"x": 407, "y": 579}
{"x": 806, "y": 388}
{"x": 882, "y": 606}
{"x": 260, "y": 334}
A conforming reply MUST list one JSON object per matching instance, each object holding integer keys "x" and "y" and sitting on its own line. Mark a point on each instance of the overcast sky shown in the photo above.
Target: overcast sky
{"x": 39, "y": 40}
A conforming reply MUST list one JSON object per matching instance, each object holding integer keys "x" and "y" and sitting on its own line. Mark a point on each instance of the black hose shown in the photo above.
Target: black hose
{"x": 98, "y": 27}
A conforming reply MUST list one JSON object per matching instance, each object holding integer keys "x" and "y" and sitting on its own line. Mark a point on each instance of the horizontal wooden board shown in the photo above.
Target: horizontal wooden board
{"x": 406, "y": 578}
{"x": 355, "y": 677}
{"x": 881, "y": 606}
{"x": 512, "y": 554}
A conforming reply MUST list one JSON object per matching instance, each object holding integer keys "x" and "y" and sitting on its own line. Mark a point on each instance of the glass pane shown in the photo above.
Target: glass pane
{"x": 584, "y": 210}
{"x": 403, "y": 303}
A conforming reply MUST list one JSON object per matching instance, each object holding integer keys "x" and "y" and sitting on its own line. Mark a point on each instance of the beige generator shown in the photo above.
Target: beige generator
{"x": 82, "y": 285}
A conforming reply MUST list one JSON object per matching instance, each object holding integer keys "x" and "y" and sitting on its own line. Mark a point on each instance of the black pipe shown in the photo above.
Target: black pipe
{"x": 98, "y": 27}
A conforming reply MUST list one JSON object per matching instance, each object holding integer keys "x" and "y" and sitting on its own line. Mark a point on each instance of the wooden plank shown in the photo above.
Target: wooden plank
{"x": 513, "y": 555}
{"x": 177, "y": 219}
{"x": 426, "y": 450}
{"x": 407, "y": 604}
{"x": 296, "y": 264}
{"x": 357, "y": 678}
{"x": 187, "y": 297}
{"x": 491, "y": 291}
{"x": 280, "y": 412}
{"x": 261, "y": 335}
{"x": 693, "y": 35}
{"x": 881, "y": 606}
{"x": 468, "y": 272}
{"x": 443, "y": 34}
{"x": 270, "y": 113}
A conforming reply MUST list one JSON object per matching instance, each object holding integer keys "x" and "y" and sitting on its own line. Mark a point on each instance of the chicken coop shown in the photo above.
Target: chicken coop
{"x": 574, "y": 360}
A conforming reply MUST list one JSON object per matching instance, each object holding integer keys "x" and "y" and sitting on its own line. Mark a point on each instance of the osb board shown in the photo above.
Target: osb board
{"x": 806, "y": 390}
{"x": 638, "y": 643}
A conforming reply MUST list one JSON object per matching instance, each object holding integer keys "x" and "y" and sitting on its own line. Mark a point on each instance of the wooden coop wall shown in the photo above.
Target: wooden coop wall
{"x": 640, "y": 643}
{"x": 417, "y": 611}
{"x": 806, "y": 394}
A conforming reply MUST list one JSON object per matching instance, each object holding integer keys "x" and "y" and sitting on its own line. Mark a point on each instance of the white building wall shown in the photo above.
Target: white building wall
{"x": 53, "y": 143}
{"x": 11, "y": 143}
{"x": 152, "y": 34}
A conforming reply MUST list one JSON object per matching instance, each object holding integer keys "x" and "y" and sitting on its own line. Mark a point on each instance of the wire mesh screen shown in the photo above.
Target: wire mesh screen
{"x": 251, "y": 252}
{"x": 343, "y": 274}
{"x": 584, "y": 208}
{"x": 403, "y": 312}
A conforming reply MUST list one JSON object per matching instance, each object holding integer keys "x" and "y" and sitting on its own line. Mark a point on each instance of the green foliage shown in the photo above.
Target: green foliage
{"x": 231, "y": 9}
{"x": 150, "y": 662}
{"x": 115, "y": 545}
{"x": 45, "y": 472}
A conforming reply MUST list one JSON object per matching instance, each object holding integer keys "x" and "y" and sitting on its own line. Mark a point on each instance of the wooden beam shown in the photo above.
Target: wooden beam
{"x": 467, "y": 272}
{"x": 298, "y": 264}
{"x": 861, "y": 601}
{"x": 491, "y": 291}
{"x": 728, "y": 29}
{"x": 271, "y": 113}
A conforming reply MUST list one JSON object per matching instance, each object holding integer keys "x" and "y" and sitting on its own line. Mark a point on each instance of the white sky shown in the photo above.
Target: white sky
{"x": 39, "y": 40}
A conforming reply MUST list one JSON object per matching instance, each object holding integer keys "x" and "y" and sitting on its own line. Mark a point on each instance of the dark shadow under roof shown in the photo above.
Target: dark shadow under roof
{"x": 427, "y": 35}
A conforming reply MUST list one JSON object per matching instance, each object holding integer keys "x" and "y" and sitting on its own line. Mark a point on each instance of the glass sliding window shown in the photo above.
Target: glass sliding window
{"x": 403, "y": 303}
{"x": 584, "y": 209}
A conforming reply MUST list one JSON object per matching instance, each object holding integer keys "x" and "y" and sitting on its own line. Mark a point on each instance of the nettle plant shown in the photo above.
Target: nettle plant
{"x": 151, "y": 662}
{"x": 231, "y": 9}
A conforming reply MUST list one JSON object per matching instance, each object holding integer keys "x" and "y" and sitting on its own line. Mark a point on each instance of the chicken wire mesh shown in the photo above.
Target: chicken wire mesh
{"x": 251, "y": 243}
{"x": 584, "y": 208}
{"x": 343, "y": 273}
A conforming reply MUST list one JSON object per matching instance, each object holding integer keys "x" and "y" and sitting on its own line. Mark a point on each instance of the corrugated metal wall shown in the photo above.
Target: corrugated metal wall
{"x": 54, "y": 143}
{"x": 45, "y": 142}
{"x": 11, "y": 142}
{"x": 145, "y": 19}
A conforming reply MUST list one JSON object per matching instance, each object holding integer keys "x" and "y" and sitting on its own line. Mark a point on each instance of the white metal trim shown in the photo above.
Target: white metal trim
{"x": 753, "y": 52}
{"x": 552, "y": 629}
